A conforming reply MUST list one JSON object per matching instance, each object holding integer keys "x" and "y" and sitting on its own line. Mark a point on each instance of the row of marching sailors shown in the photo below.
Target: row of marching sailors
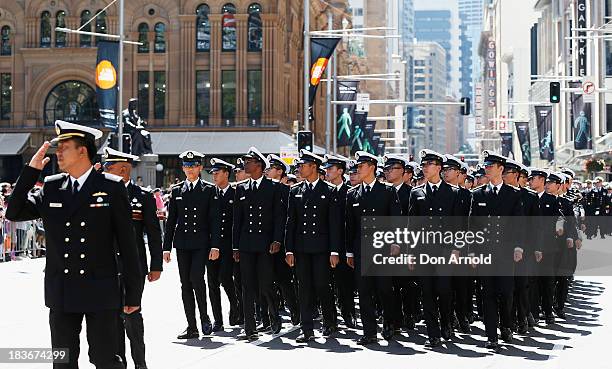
{"x": 259, "y": 233}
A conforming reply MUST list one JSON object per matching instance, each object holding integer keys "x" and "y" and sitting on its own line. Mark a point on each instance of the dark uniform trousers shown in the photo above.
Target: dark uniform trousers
{"x": 343, "y": 274}
{"x": 220, "y": 271}
{"x": 436, "y": 283}
{"x": 82, "y": 272}
{"x": 312, "y": 233}
{"x": 566, "y": 258}
{"x": 188, "y": 229}
{"x": 144, "y": 219}
{"x": 259, "y": 218}
{"x": 498, "y": 283}
{"x": 381, "y": 200}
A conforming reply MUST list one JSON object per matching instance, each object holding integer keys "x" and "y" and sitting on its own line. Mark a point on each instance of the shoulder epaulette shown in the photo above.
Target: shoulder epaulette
{"x": 112, "y": 177}
{"x": 295, "y": 185}
{"x": 55, "y": 177}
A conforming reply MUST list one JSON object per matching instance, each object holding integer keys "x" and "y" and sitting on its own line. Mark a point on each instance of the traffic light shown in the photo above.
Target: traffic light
{"x": 465, "y": 108}
{"x": 305, "y": 140}
{"x": 555, "y": 92}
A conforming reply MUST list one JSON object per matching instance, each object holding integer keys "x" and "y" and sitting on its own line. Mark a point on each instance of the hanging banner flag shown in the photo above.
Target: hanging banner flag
{"x": 361, "y": 138}
{"x": 107, "y": 64}
{"x": 522, "y": 131}
{"x": 581, "y": 22}
{"x": 321, "y": 49}
{"x": 347, "y": 91}
{"x": 368, "y": 133}
{"x": 544, "y": 122}
{"x": 378, "y": 144}
{"x": 506, "y": 143}
{"x": 581, "y": 120}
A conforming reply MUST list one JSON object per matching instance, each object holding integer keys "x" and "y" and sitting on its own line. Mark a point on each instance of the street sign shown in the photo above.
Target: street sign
{"x": 363, "y": 103}
{"x": 589, "y": 88}
{"x": 288, "y": 154}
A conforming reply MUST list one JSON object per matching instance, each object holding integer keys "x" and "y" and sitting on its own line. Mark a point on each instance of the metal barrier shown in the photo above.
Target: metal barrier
{"x": 21, "y": 240}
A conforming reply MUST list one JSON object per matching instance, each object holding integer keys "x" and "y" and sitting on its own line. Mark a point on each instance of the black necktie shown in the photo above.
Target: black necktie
{"x": 75, "y": 188}
{"x": 367, "y": 189}
{"x": 495, "y": 190}
{"x": 253, "y": 186}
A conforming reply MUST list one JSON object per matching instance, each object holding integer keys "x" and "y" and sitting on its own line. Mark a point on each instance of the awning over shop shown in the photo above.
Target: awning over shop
{"x": 13, "y": 143}
{"x": 220, "y": 143}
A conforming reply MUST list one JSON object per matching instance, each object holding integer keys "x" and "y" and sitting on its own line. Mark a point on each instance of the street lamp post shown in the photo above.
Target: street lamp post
{"x": 306, "y": 116}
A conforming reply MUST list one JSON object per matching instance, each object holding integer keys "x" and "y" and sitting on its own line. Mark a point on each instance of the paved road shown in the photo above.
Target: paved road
{"x": 582, "y": 340}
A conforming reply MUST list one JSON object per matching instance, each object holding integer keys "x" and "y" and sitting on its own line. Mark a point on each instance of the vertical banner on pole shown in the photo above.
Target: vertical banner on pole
{"x": 359, "y": 141}
{"x": 106, "y": 81}
{"x": 321, "y": 49}
{"x": 522, "y": 132}
{"x": 581, "y": 117}
{"x": 544, "y": 121}
{"x": 347, "y": 91}
{"x": 506, "y": 143}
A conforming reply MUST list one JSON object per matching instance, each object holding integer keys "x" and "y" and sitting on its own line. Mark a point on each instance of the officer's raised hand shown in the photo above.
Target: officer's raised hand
{"x": 39, "y": 160}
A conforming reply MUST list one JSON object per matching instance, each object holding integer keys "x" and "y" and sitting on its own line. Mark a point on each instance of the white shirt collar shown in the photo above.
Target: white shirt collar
{"x": 498, "y": 187}
{"x": 397, "y": 188}
{"x": 370, "y": 185}
{"x": 223, "y": 190}
{"x": 257, "y": 181}
{"x": 82, "y": 178}
{"x": 540, "y": 194}
{"x": 194, "y": 183}
{"x": 340, "y": 185}
{"x": 314, "y": 184}
{"x": 437, "y": 185}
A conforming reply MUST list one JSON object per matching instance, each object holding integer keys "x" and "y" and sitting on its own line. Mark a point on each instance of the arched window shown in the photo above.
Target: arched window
{"x": 101, "y": 24}
{"x": 85, "y": 40}
{"x": 60, "y": 21}
{"x": 45, "y": 29}
{"x": 143, "y": 36}
{"x": 5, "y": 40}
{"x": 255, "y": 29}
{"x": 229, "y": 28}
{"x": 160, "y": 38}
{"x": 72, "y": 101}
{"x": 202, "y": 28}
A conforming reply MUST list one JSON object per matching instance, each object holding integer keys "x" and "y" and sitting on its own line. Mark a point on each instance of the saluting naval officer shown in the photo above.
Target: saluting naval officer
{"x": 370, "y": 198}
{"x": 344, "y": 276}
{"x": 259, "y": 224}
{"x": 312, "y": 241}
{"x": 144, "y": 220}
{"x": 86, "y": 217}
{"x": 496, "y": 208}
{"x": 220, "y": 261}
{"x": 190, "y": 229}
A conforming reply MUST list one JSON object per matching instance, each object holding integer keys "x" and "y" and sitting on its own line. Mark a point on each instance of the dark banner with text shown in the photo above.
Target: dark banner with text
{"x": 506, "y": 143}
{"x": 321, "y": 49}
{"x": 545, "y": 136}
{"x": 107, "y": 65}
{"x": 347, "y": 91}
{"x": 522, "y": 132}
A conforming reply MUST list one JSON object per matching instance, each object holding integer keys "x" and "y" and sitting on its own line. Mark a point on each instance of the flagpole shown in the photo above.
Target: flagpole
{"x": 120, "y": 95}
{"x": 306, "y": 117}
{"x": 328, "y": 97}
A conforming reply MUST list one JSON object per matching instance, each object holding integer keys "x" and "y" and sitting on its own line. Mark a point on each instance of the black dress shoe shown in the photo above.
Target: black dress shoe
{"x": 349, "y": 321}
{"x": 409, "y": 323}
{"x": 433, "y": 342}
{"x": 447, "y": 334}
{"x": 464, "y": 326}
{"x": 295, "y": 317}
{"x": 387, "y": 333}
{"x": 188, "y": 334}
{"x": 506, "y": 335}
{"x": 530, "y": 321}
{"x": 276, "y": 327}
{"x": 305, "y": 337}
{"x": 366, "y": 340}
{"x": 207, "y": 328}
{"x": 560, "y": 313}
{"x": 248, "y": 337}
{"x": 263, "y": 328}
{"x": 491, "y": 345}
{"x": 328, "y": 331}
{"x": 523, "y": 329}
{"x": 550, "y": 319}
{"x": 217, "y": 327}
